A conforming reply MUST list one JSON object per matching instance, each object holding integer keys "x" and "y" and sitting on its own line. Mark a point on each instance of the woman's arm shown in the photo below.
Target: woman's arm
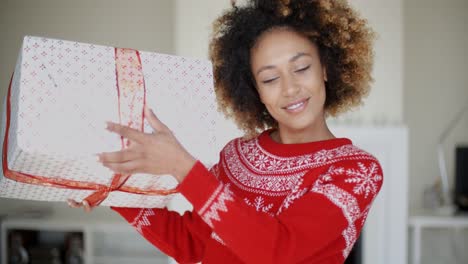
{"x": 182, "y": 237}
{"x": 320, "y": 223}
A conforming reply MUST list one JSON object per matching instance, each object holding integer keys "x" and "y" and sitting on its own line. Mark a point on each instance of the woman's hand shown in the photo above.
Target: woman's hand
{"x": 156, "y": 153}
{"x": 74, "y": 204}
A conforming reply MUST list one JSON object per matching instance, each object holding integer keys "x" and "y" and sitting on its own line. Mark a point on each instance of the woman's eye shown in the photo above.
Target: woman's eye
{"x": 302, "y": 69}
{"x": 269, "y": 80}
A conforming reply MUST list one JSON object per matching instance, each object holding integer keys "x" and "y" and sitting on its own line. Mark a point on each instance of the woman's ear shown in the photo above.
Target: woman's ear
{"x": 325, "y": 77}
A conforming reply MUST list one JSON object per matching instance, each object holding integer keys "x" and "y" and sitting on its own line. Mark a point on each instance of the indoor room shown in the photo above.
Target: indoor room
{"x": 414, "y": 121}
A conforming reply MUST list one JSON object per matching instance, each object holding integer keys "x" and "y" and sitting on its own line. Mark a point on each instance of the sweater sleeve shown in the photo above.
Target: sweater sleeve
{"x": 318, "y": 224}
{"x": 182, "y": 237}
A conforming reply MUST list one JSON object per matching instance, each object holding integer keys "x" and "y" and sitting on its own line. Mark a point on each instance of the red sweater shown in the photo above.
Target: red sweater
{"x": 266, "y": 202}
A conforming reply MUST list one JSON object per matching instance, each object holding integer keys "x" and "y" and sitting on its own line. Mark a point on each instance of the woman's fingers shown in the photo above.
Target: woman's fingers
{"x": 120, "y": 156}
{"x": 154, "y": 121}
{"x": 86, "y": 206}
{"x": 127, "y": 132}
{"x": 124, "y": 161}
{"x": 74, "y": 204}
{"x": 148, "y": 153}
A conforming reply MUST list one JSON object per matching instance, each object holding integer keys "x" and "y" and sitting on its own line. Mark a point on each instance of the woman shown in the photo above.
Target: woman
{"x": 289, "y": 191}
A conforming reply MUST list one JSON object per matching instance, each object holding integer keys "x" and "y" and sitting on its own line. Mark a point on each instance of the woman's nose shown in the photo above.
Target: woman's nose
{"x": 289, "y": 86}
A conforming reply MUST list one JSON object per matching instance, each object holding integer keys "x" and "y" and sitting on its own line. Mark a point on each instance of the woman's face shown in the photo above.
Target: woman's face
{"x": 290, "y": 79}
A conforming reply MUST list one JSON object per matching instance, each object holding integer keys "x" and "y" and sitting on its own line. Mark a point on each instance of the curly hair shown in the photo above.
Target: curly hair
{"x": 344, "y": 41}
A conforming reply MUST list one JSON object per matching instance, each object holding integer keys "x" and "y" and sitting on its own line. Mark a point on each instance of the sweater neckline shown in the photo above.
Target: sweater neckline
{"x": 266, "y": 141}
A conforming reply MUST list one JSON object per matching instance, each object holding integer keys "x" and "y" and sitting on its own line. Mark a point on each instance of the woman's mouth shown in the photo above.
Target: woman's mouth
{"x": 297, "y": 106}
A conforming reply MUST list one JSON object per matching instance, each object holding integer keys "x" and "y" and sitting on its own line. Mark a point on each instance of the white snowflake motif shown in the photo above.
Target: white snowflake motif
{"x": 323, "y": 156}
{"x": 252, "y": 155}
{"x": 346, "y": 200}
{"x": 288, "y": 164}
{"x": 282, "y": 184}
{"x": 246, "y": 148}
{"x": 306, "y": 159}
{"x": 274, "y": 165}
{"x": 327, "y": 177}
{"x": 366, "y": 179}
{"x": 261, "y": 161}
{"x": 259, "y": 204}
{"x": 293, "y": 196}
{"x": 264, "y": 183}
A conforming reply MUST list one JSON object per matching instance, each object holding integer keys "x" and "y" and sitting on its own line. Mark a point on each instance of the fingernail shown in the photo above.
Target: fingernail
{"x": 108, "y": 125}
{"x": 86, "y": 205}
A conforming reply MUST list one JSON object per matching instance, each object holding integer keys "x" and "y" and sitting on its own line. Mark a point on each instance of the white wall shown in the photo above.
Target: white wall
{"x": 436, "y": 85}
{"x": 192, "y": 33}
{"x": 384, "y": 106}
{"x": 143, "y": 24}
{"x": 193, "y": 25}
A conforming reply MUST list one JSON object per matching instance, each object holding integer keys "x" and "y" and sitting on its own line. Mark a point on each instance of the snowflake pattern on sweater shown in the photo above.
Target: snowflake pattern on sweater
{"x": 316, "y": 194}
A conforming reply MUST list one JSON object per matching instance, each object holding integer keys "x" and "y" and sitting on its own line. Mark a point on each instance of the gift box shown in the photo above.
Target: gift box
{"x": 61, "y": 95}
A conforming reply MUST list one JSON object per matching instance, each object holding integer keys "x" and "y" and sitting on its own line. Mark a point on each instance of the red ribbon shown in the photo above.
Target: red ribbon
{"x": 132, "y": 98}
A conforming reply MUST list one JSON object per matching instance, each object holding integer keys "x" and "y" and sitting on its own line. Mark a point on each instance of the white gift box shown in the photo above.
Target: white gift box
{"x": 61, "y": 95}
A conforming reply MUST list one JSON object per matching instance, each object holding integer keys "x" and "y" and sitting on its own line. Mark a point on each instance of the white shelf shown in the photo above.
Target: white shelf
{"x": 418, "y": 222}
{"x": 130, "y": 259}
{"x": 105, "y": 242}
{"x": 454, "y": 221}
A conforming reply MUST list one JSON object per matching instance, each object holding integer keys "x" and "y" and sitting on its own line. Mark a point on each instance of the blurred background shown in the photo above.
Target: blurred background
{"x": 421, "y": 80}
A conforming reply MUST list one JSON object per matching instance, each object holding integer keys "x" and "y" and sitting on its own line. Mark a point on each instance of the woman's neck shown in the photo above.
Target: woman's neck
{"x": 295, "y": 136}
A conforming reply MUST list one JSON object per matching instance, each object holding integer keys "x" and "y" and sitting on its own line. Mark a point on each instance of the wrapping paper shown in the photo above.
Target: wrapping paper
{"x": 60, "y": 96}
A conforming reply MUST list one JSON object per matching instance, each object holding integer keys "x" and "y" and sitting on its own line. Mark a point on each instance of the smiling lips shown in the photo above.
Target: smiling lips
{"x": 296, "y": 106}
